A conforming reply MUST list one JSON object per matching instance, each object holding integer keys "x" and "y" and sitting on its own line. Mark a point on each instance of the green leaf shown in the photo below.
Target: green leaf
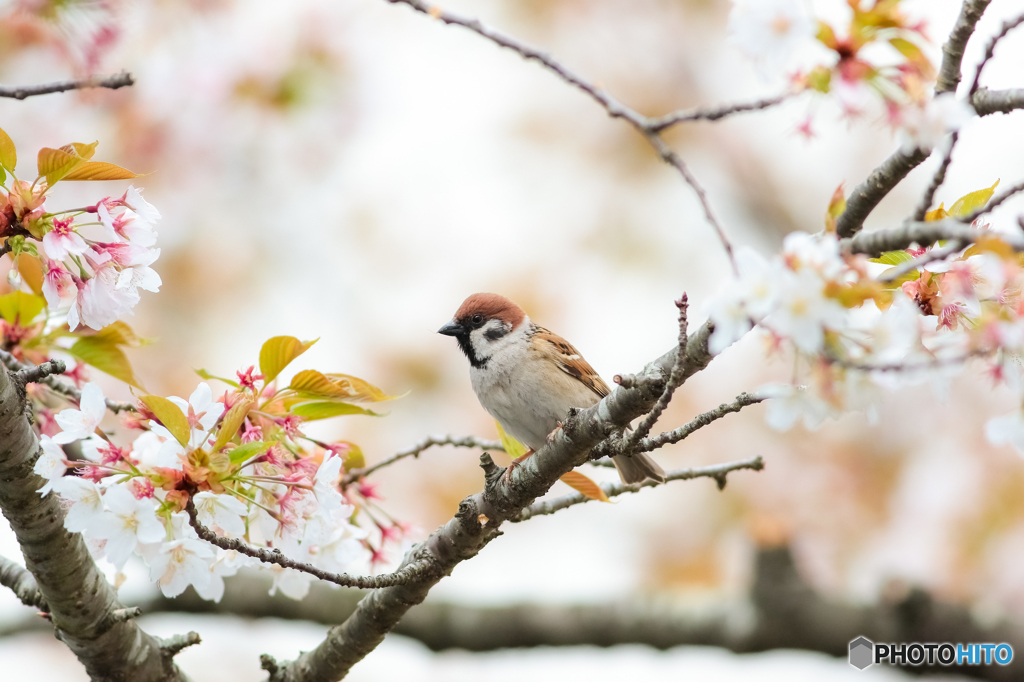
{"x": 171, "y": 416}
{"x": 31, "y": 270}
{"x": 248, "y": 451}
{"x": 232, "y": 422}
{"x": 21, "y": 308}
{"x": 8, "y": 154}
{"x": 512, "y": 447}
{"x": 969, "y": 203}
{"x": 100, "y": 170}
{"x": 892, "y": 258}
{"x": 106, "y": 357}
{"x": 278, "y": 352}
{"x": 354, "y": 458}
{"x": 325, "y": 410}
{"x": 206, "y": 375}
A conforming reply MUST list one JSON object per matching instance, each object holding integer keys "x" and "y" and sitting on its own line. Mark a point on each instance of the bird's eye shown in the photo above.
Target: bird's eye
{"x": 478, "y": 320}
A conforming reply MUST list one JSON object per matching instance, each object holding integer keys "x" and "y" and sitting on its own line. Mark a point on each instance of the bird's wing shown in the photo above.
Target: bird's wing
{"x": 570, "y": 361}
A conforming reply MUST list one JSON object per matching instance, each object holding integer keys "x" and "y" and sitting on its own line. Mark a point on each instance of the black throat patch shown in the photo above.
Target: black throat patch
{"x": 467, "y": 348}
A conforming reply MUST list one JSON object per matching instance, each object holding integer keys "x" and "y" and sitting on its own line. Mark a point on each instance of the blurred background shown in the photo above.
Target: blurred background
{"x": 353, "y": 170}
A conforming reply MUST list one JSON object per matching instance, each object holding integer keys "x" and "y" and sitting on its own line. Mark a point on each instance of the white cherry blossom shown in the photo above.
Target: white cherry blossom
{"x": 83, "y": 422}
{"x": 925, "y": 126}
{"x": 222, "y": 512}
{"x": 770, "y": 31}
{"x": 51, "y": 465}
{"x": 127, "y": 522}
{"x": 180, "y": 563}
{"x": 86, "y": 500}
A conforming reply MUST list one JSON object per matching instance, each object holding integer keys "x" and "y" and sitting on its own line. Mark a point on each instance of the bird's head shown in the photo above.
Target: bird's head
{"x": 482, "y": 324}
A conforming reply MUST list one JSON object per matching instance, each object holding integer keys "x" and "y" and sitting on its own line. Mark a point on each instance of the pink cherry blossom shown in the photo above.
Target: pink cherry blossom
{"x": 63, "y": 240}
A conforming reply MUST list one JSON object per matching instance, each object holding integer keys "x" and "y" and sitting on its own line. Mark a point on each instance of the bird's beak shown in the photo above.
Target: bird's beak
{"x": 453, "y": 328}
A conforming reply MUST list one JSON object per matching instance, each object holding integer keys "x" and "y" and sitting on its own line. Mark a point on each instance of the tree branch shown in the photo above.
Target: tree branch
{"x": 647, "y": 127}
{"x": 22, "y": 583}
{"x": 923, "y": 234}
{"x": 699, "y": 422}
{"x": 987, "y": 101}
{"x": 662, "y": 123}
{"x": 480, "y": 516}
{"x": 717, "y": 472}
{"x": 990, "y": 50}
{"x": 408, "y": 573}
{"x": 940, "y": 176}
{"x": 114, "y": 82}
{"x": 674, "y": 380}
{"x": 81, "y": 602}
{"x": 414, "y": 451}
{"x": 55, "y": 384}
{"x": 866, "y": 196}
{"x": 953, "y": 51}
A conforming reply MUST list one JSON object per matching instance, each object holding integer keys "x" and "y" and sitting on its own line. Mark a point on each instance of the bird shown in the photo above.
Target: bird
{"x": 528, "y": 377}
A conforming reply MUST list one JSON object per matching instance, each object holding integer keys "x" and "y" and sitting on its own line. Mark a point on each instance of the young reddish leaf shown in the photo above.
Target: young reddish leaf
{"x": 248, "y": 451}
{"x": 278, "y": 352}
{"x": 54, "y": 164}
{"x": 513, "y": 448}
{"x": 100, "y": 170}
{"x": 969, "y": 203}
{"x": 106, "y": 357}
{"x": 206, "y": 375}
{"x": 585, "y": 485}
{"x": 31, "y": 270}
{"x": 171, "y": 416}
{"x": 8, "y": 154}
{"x": 836, "y": 206}
{"x": 21, "y": 308}
{"x": 325, "y": 410}
{"x": 232, "y": 422}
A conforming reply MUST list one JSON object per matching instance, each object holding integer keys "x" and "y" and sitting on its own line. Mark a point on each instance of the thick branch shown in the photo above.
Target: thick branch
{"x": 480, "y": 516}
{"x": 22, "y": 583}
{"x": 922, "y": 234}
{"x": 81, "y": 602}
{"x": 414, "y": 451}
{"x": 114, "y": 82}
{"x": 987, "y": 101}
{"x": 953, "y": 51}
{"x": 866, "y": 196}
{"x": 717, "y": 472}
{"x": 55, "y": 384}
{"x": 408, "y": 573}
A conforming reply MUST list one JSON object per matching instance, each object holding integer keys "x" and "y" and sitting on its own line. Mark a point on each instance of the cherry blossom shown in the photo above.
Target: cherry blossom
{"x": 62, "y": 240}
{"x": 925, "y": 126}
{"x": 86, "y": 500}
{"x": 180, "y": 563}
{"x": 83, "y": 422}
{"x": 221, "y": 512}
{"x": 51, "y": 465}
{"x": 58, "y": 285}
{"x": 127, "y": 522}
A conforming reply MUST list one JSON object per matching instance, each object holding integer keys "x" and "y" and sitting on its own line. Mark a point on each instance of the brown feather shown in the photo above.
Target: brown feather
{"x": 491, "y": 307}
{"x": 569, "y": 360}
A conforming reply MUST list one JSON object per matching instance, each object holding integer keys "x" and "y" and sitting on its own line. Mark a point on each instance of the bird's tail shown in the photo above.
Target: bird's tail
{"x": 637, "y": 468}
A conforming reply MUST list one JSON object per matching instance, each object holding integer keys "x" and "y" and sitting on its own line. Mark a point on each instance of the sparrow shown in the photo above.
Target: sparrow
{"x": 527, "y": 377}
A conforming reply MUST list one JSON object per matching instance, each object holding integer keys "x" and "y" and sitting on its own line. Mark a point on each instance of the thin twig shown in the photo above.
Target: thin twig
{"x": 114, "y": 82}
{"x": 929, "y": 256}
{"x": 675, "y": 379}
{"x": 990, "y": 50}
{"x": 53, "y": 383}
{"x": 39, "y": 373}
{"x": 616, "y": 109}
{"x": 937, "y": 180}
{"x": 22, "y": 583}
{"x": 662, "y": 123}
{"x": 414, "y": 451}
{"x": 698, "y": 422}
{"x": 717, "y": 472}
{"x": 172, "y": 646}
{"x": 937, "y": 363}
{"x": 407, "y": 574}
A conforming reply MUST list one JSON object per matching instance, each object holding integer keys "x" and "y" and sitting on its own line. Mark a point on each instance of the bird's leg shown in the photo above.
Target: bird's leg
{"x": 507, "y": 476}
